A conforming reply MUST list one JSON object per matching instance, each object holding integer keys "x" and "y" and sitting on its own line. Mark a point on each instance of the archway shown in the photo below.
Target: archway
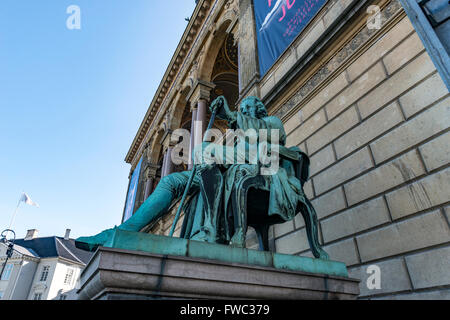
{"x": 224, "y": 75}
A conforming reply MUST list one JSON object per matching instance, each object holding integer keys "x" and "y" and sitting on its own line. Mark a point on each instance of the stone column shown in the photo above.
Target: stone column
{"x": 199, "y": 97}
{"x": 169, "y": 163}
{"x": 192, "y": 142}
{"x": 150, "y": 174}
{"x": 168, "y": 166}
{"x": 148, "y": 187}
{"x": 201, "y": 114}
{"x": 248, "y": 51}
{"x": 164, "y": 165}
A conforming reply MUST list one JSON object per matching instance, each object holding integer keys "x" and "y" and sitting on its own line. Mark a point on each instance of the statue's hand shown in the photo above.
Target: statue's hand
{"x": 218, "y": 104}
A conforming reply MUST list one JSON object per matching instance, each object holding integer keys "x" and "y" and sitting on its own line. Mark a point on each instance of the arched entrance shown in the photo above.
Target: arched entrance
{"x": 225, "y": 72}
{"x": 225, "y": 76}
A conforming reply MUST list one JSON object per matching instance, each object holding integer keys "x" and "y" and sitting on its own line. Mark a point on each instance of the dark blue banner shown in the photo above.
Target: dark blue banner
{"x": 132, "y": 191}
{"x": 278, "y": 22}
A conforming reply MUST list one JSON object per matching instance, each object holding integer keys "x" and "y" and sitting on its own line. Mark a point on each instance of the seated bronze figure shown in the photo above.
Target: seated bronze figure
{"x": 225, "y": 198}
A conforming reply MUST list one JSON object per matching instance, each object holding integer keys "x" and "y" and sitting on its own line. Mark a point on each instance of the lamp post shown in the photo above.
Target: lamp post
{"x": 10, "y": 250}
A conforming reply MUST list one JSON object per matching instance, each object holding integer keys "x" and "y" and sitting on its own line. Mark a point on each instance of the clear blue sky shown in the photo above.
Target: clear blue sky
{"x": 71, "y": 102}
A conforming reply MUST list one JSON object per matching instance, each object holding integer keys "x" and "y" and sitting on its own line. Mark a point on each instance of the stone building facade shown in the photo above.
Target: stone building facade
{"x": 46, "y": 268}
{"x": 370, "y": 106}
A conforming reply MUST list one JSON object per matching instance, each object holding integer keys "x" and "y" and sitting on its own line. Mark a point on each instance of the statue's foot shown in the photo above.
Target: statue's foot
{"x": 324, "y": 255}
{"x": 238, "y": 239}
{"x": 93, "y": 242}
{"x": 321, "y": 254}
{"x": 204, "y": 235}
{"x": 200, "y": 236}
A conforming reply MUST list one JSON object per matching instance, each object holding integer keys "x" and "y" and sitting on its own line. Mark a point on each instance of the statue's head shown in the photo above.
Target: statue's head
{"x": 253, "y": 107}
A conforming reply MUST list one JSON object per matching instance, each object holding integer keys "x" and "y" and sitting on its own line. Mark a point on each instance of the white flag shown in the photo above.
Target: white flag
{"x": 25, "y": 198}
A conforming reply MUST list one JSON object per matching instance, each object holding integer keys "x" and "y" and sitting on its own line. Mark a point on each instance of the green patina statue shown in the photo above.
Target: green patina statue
{"x": 229, "y": 194}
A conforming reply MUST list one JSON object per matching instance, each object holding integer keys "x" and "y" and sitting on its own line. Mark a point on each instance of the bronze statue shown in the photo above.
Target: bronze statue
{"x": 224, "y": 198}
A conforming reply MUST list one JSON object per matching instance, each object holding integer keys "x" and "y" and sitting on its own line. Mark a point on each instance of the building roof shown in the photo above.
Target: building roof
{"x": 53, "y": 247}
{"x": 22, "y": 250}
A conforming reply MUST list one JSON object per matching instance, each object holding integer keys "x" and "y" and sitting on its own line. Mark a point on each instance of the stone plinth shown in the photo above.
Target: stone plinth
{"x": 163, "y": 268}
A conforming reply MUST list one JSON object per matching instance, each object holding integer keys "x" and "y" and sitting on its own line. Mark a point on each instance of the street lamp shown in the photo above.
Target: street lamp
{"x": 10, "y": 244}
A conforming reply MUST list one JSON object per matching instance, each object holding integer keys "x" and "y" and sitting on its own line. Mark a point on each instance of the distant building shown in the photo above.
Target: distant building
{"x": 42, "y": 268}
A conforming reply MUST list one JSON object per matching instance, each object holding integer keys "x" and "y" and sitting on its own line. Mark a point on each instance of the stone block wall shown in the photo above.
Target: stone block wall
{"x": 378, "y": 137}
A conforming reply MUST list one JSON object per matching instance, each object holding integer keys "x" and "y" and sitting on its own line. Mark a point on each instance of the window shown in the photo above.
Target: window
{"x": 7, "y": 272}
{"x": 44, "y": 274}
{"x": 37, "y": 296}
{"x": 69, "y": 276}
{"x": 1, "y": 295}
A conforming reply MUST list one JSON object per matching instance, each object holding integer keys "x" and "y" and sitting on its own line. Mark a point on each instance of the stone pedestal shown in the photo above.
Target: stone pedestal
{"x": 149, "y": 272}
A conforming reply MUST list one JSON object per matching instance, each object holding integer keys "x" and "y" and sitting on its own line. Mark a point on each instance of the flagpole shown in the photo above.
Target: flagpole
{"x": 15, "y": 212}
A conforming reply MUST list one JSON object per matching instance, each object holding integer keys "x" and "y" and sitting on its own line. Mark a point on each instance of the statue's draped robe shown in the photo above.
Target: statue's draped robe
{"x": 284, "y": 187}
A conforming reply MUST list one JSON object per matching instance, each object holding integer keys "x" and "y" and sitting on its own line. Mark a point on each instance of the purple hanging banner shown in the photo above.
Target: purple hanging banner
{"x": 278, "y": 23}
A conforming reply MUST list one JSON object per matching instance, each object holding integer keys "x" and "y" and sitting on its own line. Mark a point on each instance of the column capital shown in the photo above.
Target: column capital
{"x": 151, "y": 170}
{"x": 193, "y": 107}
{"x": 200, "y": 91}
